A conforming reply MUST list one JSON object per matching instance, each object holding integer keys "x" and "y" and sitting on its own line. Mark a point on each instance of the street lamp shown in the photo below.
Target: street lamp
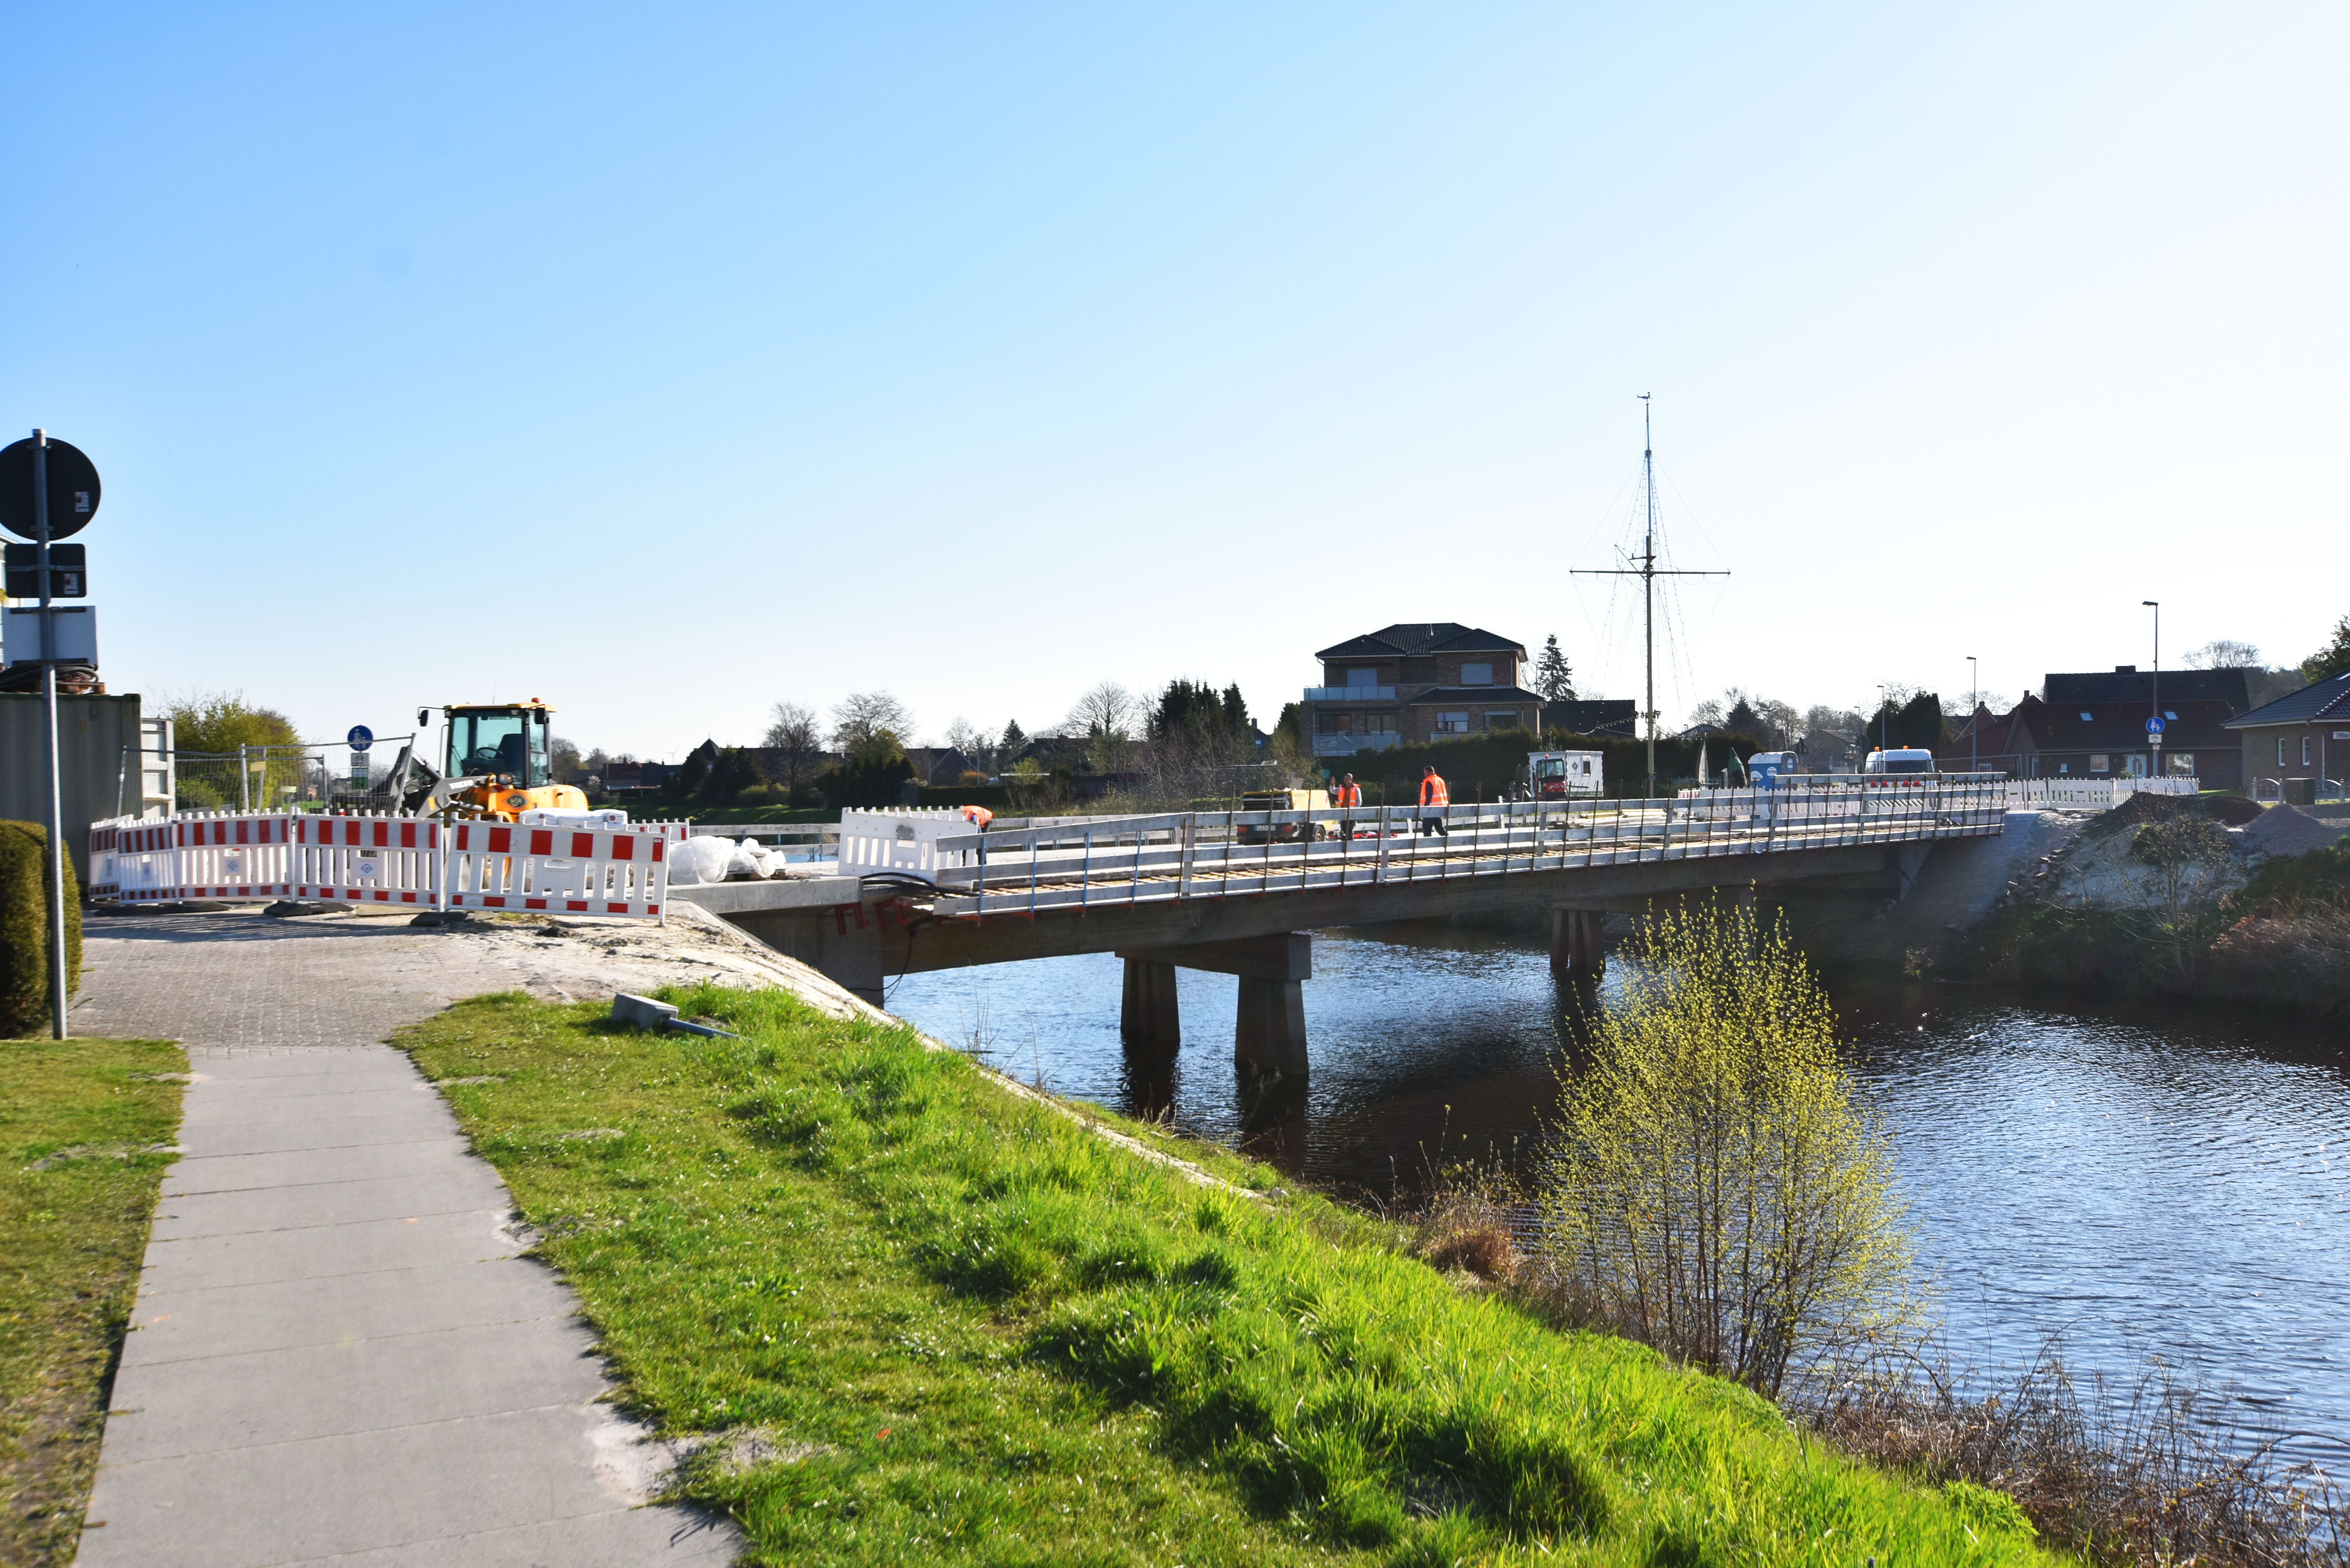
{"x": 1884, "y": 717}
{"x": 1974, "y": 715}
{"x": 2153, "y": 736}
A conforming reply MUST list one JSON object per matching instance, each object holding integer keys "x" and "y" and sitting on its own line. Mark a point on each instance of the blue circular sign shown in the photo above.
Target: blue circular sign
{"x": 2153, "y": 725}
{"x": 360, "y": 738}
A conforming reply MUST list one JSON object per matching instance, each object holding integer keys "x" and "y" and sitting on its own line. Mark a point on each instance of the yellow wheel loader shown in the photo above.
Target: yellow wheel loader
{"x": 497, "y": 761}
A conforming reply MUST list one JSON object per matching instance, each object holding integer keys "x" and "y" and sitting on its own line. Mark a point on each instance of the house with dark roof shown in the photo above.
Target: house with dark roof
{"x": 1417, "y": 681}
{"x": 2093, "y": 724}
{"x": 2304, "y": 736}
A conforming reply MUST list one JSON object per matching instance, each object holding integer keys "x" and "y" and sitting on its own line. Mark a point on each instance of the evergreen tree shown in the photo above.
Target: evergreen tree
{"x": 2332, "y": 659}
{"x": 1741, "y": 719}
{"x": 1552, "y": 679}
{"x": 1014, "y": 742}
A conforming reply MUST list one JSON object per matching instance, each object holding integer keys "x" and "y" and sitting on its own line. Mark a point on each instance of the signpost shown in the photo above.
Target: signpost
{"x": 360, "y": 739}
{"x": 49, "y": 490}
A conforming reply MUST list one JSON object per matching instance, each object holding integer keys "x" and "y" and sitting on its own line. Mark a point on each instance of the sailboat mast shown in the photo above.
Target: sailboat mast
{"x": 1648, "y": 572}
{"x": 1648, "y": 578}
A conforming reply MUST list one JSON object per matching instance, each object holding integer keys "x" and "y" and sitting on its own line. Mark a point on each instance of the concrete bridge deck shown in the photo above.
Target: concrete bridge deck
{"x": 1234, "y": 892}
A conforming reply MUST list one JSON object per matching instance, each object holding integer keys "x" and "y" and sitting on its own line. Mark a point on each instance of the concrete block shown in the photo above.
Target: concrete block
{"x": 641, "y": 1012}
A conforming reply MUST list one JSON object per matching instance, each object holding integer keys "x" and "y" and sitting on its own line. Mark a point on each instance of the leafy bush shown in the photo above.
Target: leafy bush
{"x": 1716, "y": 1193}
{"x": 25, "y": 928}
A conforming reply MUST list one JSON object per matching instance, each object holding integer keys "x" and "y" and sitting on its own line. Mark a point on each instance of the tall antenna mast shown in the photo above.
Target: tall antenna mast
{"x": 1648, "y": 572}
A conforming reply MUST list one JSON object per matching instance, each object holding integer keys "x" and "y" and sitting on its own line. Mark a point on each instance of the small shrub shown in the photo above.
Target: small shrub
{"x": 25, "y": 928}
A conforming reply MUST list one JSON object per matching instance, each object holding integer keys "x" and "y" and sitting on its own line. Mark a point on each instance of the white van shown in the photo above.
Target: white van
{"x": 1902, "y": 764}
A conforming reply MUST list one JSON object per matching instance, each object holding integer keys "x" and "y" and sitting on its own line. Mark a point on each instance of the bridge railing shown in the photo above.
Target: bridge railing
{"x": 1106, "y": 861}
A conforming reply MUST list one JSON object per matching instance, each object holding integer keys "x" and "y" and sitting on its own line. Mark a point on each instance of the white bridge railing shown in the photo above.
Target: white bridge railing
{"x": 1107, "y": 861}
{"x": 2092, "y": 795}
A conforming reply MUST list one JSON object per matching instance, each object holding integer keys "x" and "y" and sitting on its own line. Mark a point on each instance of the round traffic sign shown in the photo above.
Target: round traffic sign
{"x": 73, "y": 489}
{"x": 360, "y": 738}
{"x": 2153, "y": 725}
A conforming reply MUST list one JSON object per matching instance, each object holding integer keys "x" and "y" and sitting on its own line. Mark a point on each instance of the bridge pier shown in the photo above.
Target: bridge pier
{"x": 1578, "y": 943}
{"x": 1148, "y": 1019}
{"x": 1269, "y": 1040}
{"x": 1269, "y": 1031}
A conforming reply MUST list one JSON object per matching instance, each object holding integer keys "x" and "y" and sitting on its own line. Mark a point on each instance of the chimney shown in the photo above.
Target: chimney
{"x": 2126, "y": 669}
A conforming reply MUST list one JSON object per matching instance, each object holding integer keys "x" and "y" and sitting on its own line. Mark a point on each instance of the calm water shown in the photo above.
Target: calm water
{"x": 2168, "y": 1183}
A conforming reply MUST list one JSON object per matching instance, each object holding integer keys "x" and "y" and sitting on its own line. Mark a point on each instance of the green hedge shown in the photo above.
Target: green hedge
{"x": 1494, "y": 764}
{"x": 25, "y": 928}
{"x": 995, "y": 797}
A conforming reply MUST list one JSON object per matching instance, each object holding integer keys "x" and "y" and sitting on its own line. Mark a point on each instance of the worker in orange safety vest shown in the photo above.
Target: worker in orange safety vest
{"x": 1433, "y": 793}
{"x": 1348, "y": 793}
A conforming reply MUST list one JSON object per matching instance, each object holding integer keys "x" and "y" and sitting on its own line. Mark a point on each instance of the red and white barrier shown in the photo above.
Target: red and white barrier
{"x": 420, "y": 862}
{"x": 368, "y": 859}
{"x": 499, "y": 865}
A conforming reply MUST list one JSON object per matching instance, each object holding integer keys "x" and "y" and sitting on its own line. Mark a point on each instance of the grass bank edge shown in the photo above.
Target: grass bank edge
{"x": 1346, "y": 1398}
{"x": 86, "y": 1133}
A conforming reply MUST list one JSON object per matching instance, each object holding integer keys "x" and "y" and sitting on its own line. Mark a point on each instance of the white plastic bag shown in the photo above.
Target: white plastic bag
{"x": 701, "y": 859}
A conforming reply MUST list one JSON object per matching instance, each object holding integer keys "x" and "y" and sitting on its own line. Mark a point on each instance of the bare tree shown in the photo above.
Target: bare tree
{"x": 2224, "y": 653}
{"x": 1108, "y": 709}
{"x": 861, "y": 715}
{"x": 973, "y": 742}
{"x": 794, "y": 746}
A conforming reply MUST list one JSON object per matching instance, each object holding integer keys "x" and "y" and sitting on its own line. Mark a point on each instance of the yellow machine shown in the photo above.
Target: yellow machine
{"x": 1287, "y": 800}
{"x": 497, "y": 761}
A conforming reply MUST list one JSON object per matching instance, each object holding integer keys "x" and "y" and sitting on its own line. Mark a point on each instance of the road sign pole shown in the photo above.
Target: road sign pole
{"x": 49, "y": 707}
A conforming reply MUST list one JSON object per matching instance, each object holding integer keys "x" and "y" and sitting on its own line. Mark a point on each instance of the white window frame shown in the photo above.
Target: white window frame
{"x": 2101, "y": 763}
{"x": 2304, "y": 750}
{"x": 1452, "y": 724}
{"x": 2280, "y": 751}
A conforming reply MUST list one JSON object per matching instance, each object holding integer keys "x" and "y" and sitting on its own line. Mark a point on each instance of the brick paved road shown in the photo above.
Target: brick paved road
{"x": 337, "y": 1355}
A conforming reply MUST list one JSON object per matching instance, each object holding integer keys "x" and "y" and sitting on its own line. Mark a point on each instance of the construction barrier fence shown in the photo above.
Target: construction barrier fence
{"x": 593, "y": 867}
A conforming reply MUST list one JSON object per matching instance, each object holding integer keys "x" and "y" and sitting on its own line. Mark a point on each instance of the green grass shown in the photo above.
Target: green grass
{"x": 80, "y": 1123}
{"x": 933, "y": 1322}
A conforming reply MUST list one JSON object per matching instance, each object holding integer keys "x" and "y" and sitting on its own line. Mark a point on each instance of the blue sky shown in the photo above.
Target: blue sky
{"x": 664, "y": 365}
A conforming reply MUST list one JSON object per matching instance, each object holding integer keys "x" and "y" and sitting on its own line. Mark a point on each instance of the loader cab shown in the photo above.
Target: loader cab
{"x": 506, "y": 743}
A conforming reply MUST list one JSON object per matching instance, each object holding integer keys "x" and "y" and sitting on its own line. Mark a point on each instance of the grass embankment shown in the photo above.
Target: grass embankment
{"x": 933, "y": 1322}
{"x": 84, "y": 1130}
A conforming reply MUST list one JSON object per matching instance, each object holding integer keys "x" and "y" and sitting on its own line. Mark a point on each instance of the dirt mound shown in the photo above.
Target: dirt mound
{"x": 2284, "y": 830}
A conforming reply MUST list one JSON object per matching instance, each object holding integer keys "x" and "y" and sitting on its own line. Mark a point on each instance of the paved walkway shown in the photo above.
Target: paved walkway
{"x": 337, "y": 1355}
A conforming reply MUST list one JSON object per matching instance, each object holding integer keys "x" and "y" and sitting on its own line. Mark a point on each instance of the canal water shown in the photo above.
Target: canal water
{"x": 2145, "y": 1183}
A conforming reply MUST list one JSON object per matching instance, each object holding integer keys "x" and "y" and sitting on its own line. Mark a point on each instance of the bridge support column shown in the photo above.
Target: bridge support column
{"x": 1148, "y": 1019}
{"x": 1269, "y": 1037}
{"x": 1578, "y": 943}
{"x": 1269, "y": 1040}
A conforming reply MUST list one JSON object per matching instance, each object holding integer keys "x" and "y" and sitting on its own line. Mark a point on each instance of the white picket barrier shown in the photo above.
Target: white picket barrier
{"x": 497, "y": 865}
{"x": 368, "y": 859}
{"x": 903, "y": 839}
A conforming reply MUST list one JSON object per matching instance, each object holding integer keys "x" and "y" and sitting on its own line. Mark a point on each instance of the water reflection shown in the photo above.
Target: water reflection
{"x": 2141, "y": 1181}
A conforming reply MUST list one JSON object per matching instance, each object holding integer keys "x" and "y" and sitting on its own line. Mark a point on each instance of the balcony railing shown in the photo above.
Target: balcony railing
{"x": 1350, "y": 693}
{"x": 1347, "y": 746}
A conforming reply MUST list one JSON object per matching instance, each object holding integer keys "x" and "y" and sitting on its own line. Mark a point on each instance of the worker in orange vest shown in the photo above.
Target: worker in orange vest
{"x": 1348, "y": 793}
{"x": 1433, "y": 793}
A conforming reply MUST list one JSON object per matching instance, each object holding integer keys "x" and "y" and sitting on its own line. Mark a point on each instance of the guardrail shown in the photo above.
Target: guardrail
{"x": 1100, "y": 862}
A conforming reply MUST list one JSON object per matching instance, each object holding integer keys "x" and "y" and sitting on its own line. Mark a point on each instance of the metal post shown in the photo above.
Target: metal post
{"x": 2155, "y": 737}
{"x": 50, "y": 709}
{"x": 1974, "y": 715}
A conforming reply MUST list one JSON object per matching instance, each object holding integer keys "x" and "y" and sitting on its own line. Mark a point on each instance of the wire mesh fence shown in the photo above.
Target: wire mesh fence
{"x": 311, "y": 775}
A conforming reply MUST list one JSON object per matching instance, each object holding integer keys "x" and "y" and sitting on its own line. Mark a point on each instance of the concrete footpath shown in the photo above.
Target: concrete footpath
{"x": 338, "y": 1354}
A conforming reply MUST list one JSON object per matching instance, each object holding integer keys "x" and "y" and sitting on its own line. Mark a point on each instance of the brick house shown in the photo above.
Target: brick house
{"x": 2305, "y": 735}
{"x": 1417, "y": 682}
{"x": 2092, "y": 724}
